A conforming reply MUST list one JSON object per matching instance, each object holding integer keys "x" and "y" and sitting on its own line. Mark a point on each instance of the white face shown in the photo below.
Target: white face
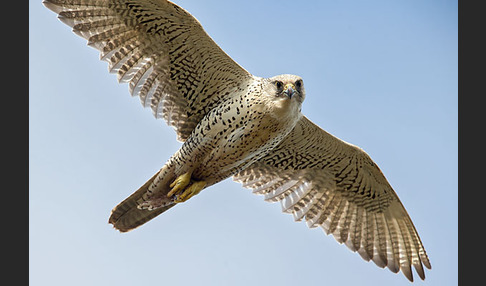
{"x": 287, "y": 87}
{"x": 286, "y": 92}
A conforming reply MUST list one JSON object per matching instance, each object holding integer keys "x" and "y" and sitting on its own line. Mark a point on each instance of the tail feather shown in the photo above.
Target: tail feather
{"x": 127, "y": 216}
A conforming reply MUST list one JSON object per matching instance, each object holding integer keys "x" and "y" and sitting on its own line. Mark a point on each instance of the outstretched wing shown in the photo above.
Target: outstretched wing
{"x": 162, "y": 51}
{"x": 336, "y": 185}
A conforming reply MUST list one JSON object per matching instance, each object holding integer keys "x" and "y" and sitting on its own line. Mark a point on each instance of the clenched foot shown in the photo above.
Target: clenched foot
{"x": 190, "y": 191}
{"x": 185, "y": 188}
{"x": 179, "y": 184}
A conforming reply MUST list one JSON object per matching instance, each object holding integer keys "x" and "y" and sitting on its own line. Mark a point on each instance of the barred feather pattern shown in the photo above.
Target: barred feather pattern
{"x": 161, "y": 51}
{"x": 177, "y": 70}
{"x": 336, "y": 186}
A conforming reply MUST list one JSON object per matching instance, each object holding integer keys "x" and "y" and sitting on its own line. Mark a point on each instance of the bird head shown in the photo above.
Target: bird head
{"x": 287, "y": 87}
{"x": 285, "y": 93}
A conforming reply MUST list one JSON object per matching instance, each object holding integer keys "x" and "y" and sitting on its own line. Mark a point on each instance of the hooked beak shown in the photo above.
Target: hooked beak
{"x": 289, "y": 90}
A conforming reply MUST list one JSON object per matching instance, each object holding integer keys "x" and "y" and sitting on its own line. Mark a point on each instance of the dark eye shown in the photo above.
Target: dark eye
{"x": 279, "y": 85}
{"x": 298, "y": 84}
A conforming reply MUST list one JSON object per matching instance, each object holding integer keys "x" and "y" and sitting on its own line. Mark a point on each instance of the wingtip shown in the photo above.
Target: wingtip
{"x": 60, "y": 11}
{"x": 426, "y": 262}
{"x": 419, "y": 269}
{"x": 51, "y": 6}
{"x": 69, "y": 22}
{"x": 407, "y": 271}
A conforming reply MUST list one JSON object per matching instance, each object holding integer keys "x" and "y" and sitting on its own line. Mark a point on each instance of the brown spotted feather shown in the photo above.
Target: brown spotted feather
{"x": 233, "y": 125}
{"x": 348, "y": 196}
{"x": 161, "y": 51}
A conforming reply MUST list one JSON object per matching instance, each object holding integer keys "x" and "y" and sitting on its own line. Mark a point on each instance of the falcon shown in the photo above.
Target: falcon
{"x": 235, "y": 124}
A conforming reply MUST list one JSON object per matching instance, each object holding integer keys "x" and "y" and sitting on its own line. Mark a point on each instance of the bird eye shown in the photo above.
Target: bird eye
{"x": 279, "y": 85}
{"x": 298, "y": 84}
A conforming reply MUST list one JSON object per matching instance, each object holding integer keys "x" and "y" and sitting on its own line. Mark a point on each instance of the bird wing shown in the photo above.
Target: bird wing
{"x": 162, "y": 51}
{"x": 336, "y": 185}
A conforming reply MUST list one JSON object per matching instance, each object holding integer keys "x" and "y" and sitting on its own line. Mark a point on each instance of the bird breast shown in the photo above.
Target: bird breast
{"x": 236, "y": 134}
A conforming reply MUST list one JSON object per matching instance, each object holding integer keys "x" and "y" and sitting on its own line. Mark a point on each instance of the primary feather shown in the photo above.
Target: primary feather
{"x": 236, "y": 124}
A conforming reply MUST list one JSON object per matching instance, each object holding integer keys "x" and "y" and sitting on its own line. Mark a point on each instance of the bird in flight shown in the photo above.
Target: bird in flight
{"x": 235, "y": 124}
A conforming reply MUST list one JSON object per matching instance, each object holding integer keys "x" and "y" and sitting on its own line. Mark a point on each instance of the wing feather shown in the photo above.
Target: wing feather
{"x": 336, "y": 185}
{"x": 383, "y": 238}
{"x": 162, "y": 51}
{"x": 341, "y": 233}
{"x": 369, "y": 231}
{"x": 347, "y": 236}
{"x": 358, "y": 229}
{"x": 334, "y": 222}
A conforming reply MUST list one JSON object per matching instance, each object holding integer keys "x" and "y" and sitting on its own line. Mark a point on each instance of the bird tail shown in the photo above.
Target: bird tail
{"x": 127, "y": 216}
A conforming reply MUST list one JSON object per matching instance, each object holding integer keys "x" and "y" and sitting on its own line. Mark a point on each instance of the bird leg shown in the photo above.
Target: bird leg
{"x": 184, "y": 188}
{"x": 190, "y": 191}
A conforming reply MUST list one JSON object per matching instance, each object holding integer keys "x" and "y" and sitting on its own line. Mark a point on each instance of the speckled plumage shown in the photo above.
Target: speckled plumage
{"x": 233, "y": 123}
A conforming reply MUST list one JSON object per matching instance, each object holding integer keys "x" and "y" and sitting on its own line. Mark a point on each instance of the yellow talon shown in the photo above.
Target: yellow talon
{"x": 183, "y": 188}
{"x": 179, "y": 184}
{"x": 190, "y": 191}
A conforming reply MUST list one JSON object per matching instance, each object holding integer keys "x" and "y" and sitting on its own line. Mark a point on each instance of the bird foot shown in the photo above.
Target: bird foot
{"x": 184, "y": 188}
{"x": 190, "y": 191}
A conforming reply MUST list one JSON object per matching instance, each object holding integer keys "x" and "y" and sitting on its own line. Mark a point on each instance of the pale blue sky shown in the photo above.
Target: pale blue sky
{"x": 379, "y": 74}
